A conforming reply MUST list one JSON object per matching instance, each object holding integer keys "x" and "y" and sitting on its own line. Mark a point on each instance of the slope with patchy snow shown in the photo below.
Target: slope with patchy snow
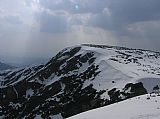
{"x": 78, "y": 79}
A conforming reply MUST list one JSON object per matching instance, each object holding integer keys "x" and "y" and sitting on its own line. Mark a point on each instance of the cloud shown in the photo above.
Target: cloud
{"x": 13, "y": 19}
{"x": 106, "y": 14}
{"x": 75, "y": 6}
{"x": 61, "y": 15}
{"x": 135, "y": 11}
{"x": 124, "y": 12}
{"x": 52, "y": 23}
{"x": 61, "y": 23}
{"x": 145, "y": 30}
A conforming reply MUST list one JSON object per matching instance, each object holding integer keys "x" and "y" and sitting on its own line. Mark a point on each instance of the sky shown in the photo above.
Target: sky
{"x": 41, "y": 28}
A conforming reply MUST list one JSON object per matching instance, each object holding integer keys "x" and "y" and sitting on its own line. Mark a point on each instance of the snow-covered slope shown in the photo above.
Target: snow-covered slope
{"x": 141, "y": 107}
{"x": 78, "y": 79}
{"x": 124, "y": 65}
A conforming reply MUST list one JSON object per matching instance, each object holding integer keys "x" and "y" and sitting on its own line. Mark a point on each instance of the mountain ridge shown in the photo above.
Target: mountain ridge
{"x": 78, "y": 79}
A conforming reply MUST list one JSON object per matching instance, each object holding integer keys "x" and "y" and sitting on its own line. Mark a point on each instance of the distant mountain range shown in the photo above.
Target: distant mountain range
{"x": 78, "y": 79}
{"x": 4, "y": 66}
{"x": 23, "y": 61}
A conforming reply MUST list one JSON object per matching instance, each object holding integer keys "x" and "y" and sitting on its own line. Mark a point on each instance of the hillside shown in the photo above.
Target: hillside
{"x": 78, "y": 79}
{"x": 141, "y": 107}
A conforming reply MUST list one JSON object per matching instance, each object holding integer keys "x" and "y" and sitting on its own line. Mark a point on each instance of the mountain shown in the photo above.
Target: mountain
{"x": 78, "y": 79}
{"x": 4, "y": 66}
{"x": 141, "y": 107}
{"x": 23, "y": 61}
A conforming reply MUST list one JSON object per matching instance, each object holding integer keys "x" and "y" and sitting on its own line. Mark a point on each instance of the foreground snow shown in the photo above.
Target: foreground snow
{"x": 136, "y": 108}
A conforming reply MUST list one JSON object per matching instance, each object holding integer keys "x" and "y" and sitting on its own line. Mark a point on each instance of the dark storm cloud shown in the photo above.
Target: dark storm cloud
{"x": 135, "y": 10}
{"x": 124, "y": 12}
{"x": 108, "y": 14}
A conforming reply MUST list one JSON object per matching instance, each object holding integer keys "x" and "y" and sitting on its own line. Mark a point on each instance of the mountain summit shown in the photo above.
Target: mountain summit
{"x": 78, "y": 79}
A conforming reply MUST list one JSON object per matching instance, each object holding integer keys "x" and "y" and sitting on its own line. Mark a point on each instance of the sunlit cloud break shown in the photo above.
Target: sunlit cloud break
{"x": 31, "y": 24}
